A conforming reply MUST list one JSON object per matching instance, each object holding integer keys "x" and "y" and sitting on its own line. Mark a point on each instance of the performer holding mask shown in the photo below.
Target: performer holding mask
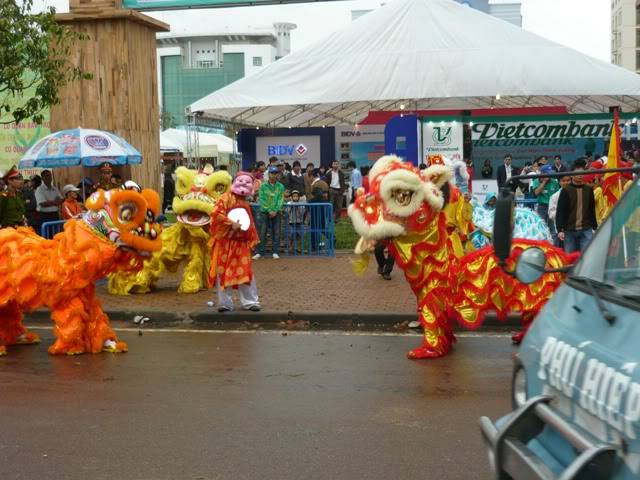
{"x": 233, "y": 237}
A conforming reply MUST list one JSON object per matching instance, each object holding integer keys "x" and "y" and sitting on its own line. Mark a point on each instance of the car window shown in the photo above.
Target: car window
{"x": 613, "y": 255}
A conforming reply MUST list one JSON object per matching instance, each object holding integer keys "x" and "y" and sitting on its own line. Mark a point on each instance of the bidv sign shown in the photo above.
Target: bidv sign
{"x": 286, "y": 150}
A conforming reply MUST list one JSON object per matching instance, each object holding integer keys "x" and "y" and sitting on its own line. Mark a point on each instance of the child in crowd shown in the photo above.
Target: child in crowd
{"x": 295, "y": 212}
{"x": 71, "y": 208}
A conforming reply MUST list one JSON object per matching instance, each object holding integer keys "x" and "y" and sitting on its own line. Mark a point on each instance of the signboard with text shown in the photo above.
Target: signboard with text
{"x": 363, "y": 144}
{"x": 305, "y": 149}
{"x": 442, "y": 138}
{"x": 527, "y": 139}
{"x": 481, "y": 188}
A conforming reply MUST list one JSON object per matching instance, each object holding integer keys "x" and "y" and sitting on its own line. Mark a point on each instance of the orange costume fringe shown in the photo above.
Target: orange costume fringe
{"x": 60, "y": 273}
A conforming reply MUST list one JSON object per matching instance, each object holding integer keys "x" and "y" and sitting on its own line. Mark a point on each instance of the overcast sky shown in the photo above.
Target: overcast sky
{"x": 580, "y": 24}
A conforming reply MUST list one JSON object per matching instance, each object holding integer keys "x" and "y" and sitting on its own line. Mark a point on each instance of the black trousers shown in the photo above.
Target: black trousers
{"x": 385, "y": 263}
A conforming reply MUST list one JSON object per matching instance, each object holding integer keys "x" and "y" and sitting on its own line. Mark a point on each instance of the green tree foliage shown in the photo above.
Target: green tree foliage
{"x": 34, "y": 64}
{"x": 166, "y": 120}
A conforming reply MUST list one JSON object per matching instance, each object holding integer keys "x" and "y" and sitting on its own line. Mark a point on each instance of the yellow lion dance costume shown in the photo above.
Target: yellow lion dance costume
{"x": 115, "y": 233}
{"x": 184, "y": 242}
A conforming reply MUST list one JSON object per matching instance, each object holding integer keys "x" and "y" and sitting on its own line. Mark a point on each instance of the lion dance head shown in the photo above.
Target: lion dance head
{"x": 126, "y": 218}
{"x": 196, "y": 194}
{"x": 400, "y": 199}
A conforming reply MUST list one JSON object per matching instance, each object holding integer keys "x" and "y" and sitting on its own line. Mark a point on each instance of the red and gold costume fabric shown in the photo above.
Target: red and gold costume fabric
{"x": 405, "y": 208}
{"x": 231, "y": 249}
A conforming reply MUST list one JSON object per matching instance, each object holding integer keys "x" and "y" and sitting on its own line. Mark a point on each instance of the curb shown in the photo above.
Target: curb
{"x": 321, "y": 320}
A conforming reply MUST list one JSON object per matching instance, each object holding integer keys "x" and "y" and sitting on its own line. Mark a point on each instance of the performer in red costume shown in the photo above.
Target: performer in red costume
{"x": 233, "y": 237}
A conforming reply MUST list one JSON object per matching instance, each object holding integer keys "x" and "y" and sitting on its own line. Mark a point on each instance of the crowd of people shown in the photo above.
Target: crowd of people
{"x": 36, "y": 200}
{"x": 282, "y": 190}
{"x": 570, "y": 205}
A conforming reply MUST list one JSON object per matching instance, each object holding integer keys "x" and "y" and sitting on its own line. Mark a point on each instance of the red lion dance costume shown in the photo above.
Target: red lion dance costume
{"x": 116, "y": 232}
{"x": 232, "y": 241}
{"x": 405, "y": 207}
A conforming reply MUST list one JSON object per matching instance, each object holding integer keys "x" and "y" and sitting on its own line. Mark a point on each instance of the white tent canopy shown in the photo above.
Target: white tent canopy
{"x": 209, "y": 144}
{"x": 167, "y": 144}
{"x": 423, "y": 54}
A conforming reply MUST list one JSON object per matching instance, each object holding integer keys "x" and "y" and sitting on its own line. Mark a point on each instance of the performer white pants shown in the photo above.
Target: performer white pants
{"x": 248, "y": 295}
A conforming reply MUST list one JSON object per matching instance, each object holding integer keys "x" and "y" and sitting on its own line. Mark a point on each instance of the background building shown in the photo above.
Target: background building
{"x": 625, "y": 36}
{"x": 509, "y": 12}
{"x": 191, "y": 66}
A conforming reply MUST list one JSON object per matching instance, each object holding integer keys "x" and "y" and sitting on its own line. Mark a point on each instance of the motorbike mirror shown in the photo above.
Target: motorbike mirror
{"x": 503, "y": 225}
{"x": 530, "y": 265}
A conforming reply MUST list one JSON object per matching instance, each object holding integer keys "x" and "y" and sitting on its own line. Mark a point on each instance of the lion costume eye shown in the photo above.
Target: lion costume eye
{"x": 127, "y": 212}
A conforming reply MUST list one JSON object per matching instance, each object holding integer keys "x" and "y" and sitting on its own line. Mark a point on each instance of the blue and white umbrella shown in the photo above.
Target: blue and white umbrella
{"x": 80, "y": 146}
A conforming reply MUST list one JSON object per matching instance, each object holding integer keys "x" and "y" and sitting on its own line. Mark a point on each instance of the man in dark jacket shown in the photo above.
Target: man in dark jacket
{"x": 294, "y": 180}
{"x": 576, "y": 212}
{"x": 505, "y": 171}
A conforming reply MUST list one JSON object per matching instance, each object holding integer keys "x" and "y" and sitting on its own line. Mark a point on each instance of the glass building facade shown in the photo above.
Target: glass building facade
{"x": 183, "y": 86}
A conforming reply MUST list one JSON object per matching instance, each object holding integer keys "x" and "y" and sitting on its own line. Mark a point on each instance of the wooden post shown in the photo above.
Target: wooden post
{"x": 122, "y": 97}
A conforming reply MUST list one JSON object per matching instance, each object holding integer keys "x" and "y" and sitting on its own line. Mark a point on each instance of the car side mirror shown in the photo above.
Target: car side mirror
{"x": 503, "y": 225}
{"x": 530, "y": 265}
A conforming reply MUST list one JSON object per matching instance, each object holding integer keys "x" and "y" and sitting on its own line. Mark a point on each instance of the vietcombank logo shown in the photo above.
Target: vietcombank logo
{"x": 523, "y": 133}
{"x": 441, "y": 136}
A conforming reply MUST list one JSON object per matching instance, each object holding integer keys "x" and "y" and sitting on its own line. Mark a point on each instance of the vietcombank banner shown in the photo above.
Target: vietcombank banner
{"x": 442, "y": 138}
{"x": 525, "y": 139}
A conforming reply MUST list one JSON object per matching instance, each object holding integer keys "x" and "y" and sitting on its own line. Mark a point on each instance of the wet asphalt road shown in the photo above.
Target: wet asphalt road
{"x": 229, "y": 405}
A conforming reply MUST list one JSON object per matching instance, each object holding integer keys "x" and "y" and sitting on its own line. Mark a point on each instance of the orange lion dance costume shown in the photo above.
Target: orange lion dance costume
{"x": 405, "y": 207}
{"x": 118, "y": 230}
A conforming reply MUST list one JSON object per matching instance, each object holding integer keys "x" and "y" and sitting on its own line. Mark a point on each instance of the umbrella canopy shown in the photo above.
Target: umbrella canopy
{"x": 80, "y": 146}
{"x": 423, "y": 54}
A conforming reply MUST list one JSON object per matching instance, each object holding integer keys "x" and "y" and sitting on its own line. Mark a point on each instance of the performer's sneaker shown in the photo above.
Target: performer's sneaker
{"x": 253, "y": 308}
{"x": 386, "y": 276}
{"x": 28, "y": 338}
{"x": 223, "y": 309}
{"x": 276, "y": 256}
{"x": 256, "y": 256}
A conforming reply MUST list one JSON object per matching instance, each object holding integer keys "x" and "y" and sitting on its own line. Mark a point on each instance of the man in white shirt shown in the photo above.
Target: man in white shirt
{"x": 48, "y": 200}
{"x": 504, "y": 171}
{"x": 337, "y": 186}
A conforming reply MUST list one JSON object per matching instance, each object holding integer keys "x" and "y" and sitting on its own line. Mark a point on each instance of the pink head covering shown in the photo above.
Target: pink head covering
{"x": 243, "y": 184}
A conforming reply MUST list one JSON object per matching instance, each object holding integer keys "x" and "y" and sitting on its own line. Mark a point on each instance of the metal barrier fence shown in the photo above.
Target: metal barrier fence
{"x": 49, "y": 229}
{"x": 306, "y": 229}
{"x": 527, "y": 202}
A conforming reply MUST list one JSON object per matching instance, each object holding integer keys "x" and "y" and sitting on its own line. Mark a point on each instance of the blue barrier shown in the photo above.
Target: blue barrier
{"x": 49, "y": 229}
{"x": 306, "y": 229}
{"x": 526, "y": 201}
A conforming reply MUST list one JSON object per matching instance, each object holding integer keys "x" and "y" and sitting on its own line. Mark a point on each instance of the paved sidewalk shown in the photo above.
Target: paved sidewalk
{"x": 299, "y": 284}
